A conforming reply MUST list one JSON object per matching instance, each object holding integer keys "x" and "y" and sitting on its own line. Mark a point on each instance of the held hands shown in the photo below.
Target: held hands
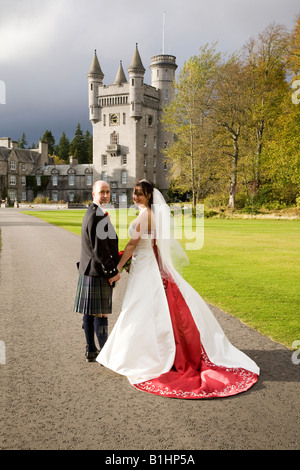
{"x": 114, "y": 279}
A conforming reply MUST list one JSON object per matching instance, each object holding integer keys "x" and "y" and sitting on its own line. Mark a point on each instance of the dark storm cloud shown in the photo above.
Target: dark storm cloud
{"x": 47, "y": 48}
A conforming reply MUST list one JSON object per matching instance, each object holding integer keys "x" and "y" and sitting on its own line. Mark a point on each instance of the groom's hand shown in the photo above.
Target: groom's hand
{"x": 111, "y": 280}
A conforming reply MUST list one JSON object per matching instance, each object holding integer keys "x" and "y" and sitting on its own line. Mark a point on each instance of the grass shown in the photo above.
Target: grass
{"x": 248, "y": 268}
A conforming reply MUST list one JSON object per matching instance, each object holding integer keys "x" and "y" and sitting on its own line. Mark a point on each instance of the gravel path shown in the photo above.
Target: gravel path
{"x": 52, "y": 399}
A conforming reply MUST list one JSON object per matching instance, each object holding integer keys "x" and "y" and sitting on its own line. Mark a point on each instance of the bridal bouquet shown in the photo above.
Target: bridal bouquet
{"x": 127, "y": 264}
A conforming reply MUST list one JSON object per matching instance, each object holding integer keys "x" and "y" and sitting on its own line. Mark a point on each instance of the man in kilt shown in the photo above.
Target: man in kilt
{"x": 97, "y": 270}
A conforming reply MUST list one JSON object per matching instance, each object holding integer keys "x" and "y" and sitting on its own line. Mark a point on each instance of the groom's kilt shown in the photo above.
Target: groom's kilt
{"x": 93, "y": 295}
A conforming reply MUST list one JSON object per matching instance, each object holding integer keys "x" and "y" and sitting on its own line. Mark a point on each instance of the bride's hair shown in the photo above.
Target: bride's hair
{"x": 147, "y": 189}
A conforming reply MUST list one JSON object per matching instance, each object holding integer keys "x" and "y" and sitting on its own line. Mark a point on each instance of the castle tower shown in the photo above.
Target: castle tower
{"x": 95, "y": 79}
{"x": 163, "y": 75}
{"x": 163, "y": 69}
{"x": 136, "y": 73}
{"x": 128, "y": 137}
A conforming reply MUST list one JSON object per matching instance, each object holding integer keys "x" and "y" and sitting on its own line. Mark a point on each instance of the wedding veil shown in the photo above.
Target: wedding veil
{"x": 172, "y": 255}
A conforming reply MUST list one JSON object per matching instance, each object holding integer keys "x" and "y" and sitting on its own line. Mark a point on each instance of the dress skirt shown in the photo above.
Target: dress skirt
{"x": 166, "y": 340}
{"x": 93, "y": 295}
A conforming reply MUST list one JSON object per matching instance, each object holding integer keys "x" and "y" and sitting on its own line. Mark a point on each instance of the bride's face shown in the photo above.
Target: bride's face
{"x": 139, "y": 197}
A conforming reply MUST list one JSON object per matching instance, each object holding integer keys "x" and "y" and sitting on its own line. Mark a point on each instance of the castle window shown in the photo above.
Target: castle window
{"x": 165, "y": 165}
{"x": 71, "y": 180}
{"x": 91, "y": 87}
{"x": 55, "y": 196}
{"x": 104, "y": 119}
{"x": 38, "y": 180}
{"x": 114, "y": 138}
{"x": 23, "y": 180}
{"x": 154, "y": 142}
{"x": 166, "y": 94}
{"x": 89, "y": 180}
{"x": 23, "y": 195}
{"x": 12, "y": 180}
{"x": 145, "y": 140}
{"x": 145, "y": 160}
{"x": 124, "y": 159}
{"x": 23, "y": 166}
{"x": 124, "y": 118}
{"x": 154, "y": 160}
{"x": 12, "y": 165}
{"x": 11, "y": 194}
{"x": 104, "y": 159}
{"x": 132, "y": 82}
{"x": 150, "y": 120}
{"x": 71, "y": 196}
{"x": 154, "y": 177}
{"x": 124, "y": 177}
{"x": 104, "y": 175}
{"x": 114, "y": 198}
{"x": 54, "y": 180}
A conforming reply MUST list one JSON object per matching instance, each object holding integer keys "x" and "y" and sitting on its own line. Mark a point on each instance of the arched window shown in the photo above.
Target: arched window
{"x": 114, "y": 138}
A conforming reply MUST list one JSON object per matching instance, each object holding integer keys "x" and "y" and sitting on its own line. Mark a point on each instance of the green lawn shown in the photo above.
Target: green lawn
{"x": 248, "y": 268}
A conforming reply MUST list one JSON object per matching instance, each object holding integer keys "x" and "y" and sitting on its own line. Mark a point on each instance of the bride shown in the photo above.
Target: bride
{"x": 166, "y": 340}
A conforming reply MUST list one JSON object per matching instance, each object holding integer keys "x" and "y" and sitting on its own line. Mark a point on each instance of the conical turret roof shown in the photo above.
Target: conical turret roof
{"x": 95, "y": 68}
{"x": 136, "y": 63}
{"x": 120, "y": 77}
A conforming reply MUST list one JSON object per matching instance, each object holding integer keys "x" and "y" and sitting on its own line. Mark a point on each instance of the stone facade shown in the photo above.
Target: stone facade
{"x": 29, "y": 173}
{"x": 16, "y": 165}
{"x": 128, "y": 137}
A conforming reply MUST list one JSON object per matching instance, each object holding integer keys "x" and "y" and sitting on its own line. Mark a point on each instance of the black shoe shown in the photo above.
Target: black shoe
{"x": 91, "y": 356}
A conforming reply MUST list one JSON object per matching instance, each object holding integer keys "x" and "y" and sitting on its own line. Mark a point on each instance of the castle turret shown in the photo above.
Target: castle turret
{"x": 136, "y": 72}
{"x": 95, "y": 77}
{"x": 120, "y": 77}
{"x": 163, "y": 75}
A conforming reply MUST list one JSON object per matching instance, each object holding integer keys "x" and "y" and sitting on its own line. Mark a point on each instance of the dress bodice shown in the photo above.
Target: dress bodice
{"x": 145, "y": 244}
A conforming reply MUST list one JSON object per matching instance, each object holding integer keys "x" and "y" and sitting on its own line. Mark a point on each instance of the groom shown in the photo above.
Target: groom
{"x": 97, "y": 270}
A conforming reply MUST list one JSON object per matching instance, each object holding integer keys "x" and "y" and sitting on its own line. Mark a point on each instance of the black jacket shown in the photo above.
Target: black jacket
{"x": 99, "y": 245}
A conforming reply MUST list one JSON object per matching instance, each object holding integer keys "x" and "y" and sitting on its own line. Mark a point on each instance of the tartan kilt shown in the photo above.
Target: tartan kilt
{"x": 93, "y": 295}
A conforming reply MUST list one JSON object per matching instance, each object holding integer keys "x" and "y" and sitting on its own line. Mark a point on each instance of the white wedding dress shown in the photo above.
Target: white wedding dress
{"x": 166, "y": 340}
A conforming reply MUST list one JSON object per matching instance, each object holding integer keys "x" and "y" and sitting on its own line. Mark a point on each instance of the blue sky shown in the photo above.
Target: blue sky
{"x": 46, "y": 49}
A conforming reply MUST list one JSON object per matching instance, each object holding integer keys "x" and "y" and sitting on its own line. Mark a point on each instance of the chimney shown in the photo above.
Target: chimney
{"x": 73, "y": 161}
{"x": 43, "y": 150}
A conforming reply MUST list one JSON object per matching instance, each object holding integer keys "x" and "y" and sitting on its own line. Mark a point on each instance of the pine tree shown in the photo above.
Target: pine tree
{"x": 48, "y": 137}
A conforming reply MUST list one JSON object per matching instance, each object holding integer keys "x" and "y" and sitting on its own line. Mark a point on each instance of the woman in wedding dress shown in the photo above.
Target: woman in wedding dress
{"x": 166, "y": 340}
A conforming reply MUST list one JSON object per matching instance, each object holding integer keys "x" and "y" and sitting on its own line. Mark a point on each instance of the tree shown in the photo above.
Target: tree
{"x": 187, "y": 117}
{"x": 230, "y": 114}
{"x": 50, "y": 140}
{"x": 62, "y": 150}
{"x": 265, "y": 60}
{"x": 22, "y": 142}
{"x": 80, "y": 146}
{"x": 293, "y": 54}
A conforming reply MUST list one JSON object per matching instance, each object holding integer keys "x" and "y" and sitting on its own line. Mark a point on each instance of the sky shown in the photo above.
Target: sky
{"x": 46, "y": 49}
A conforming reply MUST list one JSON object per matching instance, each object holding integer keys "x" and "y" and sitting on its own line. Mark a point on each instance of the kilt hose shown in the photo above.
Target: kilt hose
{"x": 93, "y": 295}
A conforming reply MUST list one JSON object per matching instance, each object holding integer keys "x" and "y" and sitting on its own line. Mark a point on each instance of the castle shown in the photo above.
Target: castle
{"x": 128, "y": 140}
{"x": 128, "y": 137}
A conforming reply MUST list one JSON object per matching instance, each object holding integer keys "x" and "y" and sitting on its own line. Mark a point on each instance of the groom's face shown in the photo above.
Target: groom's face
{"x": 101, "y": 194}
